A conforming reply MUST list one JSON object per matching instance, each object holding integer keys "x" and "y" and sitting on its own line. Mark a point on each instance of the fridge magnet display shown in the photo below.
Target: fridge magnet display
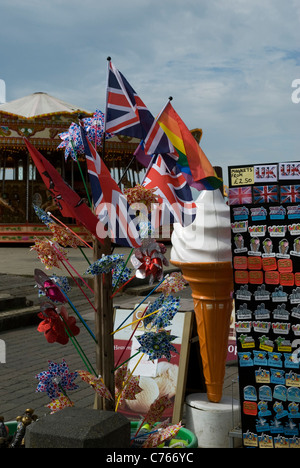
{"x": 265, "y": 224}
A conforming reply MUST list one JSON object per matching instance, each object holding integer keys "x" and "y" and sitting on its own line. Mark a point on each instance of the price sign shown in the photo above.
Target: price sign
{"x": 242, "y": 176}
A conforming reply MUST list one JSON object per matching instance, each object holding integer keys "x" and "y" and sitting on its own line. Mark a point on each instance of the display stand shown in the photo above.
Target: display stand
{"x": 265, "y": 221}
{"x": 103, "y": 329}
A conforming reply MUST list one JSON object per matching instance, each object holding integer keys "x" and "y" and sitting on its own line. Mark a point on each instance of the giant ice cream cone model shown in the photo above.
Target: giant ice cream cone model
{"x": 203, "y": 253}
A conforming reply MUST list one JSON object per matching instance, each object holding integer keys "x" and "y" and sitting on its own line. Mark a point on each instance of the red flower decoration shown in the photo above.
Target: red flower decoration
{"x": 54, "y": 325}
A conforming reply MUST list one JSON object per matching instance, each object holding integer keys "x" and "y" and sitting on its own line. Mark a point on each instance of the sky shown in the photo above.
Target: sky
{"x": 231, "y": 66}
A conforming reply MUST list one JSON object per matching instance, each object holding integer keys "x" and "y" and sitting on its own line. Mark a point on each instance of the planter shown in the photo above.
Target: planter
{"x": 183, "y": 434}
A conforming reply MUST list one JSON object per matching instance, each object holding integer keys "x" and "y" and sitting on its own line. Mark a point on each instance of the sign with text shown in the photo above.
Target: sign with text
{"x": 242, "y": 176}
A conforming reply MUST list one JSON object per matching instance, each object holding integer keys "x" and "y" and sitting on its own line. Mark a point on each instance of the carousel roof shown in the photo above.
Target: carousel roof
{"x": 38, "y": 105}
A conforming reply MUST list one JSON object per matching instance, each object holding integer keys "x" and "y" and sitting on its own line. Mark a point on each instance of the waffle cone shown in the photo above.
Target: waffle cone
{"x": 212, "y": 285}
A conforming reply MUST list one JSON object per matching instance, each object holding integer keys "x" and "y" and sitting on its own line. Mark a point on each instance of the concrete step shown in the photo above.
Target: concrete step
{"x": 9, "y": 302}
{"x": 18, "y": 318}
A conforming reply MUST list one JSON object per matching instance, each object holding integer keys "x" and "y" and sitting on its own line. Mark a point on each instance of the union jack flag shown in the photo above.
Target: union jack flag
{"x": 265, "y": 194}
{"x": 174, "y": 193}
{"x": 290, "y": 194}
{"x": 240, "y": 196}
{"x": 126, "y": 114}
{"x": 111, "y": 206}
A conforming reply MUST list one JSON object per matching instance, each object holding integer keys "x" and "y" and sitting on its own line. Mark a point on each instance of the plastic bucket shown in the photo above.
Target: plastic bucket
{"x": 12, "y": 426}
{"x": 183, "y": 434}
{"x": 210, "y": 421}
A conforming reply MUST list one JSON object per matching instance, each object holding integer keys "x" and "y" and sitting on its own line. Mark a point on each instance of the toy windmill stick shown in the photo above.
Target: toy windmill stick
{"x": 104, "y": 328}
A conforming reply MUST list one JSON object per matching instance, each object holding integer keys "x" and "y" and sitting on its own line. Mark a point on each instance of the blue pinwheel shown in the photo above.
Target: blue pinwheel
{"x": 56, "y": 380}
{"x": 42, "y": 215}
{"x": 165, "y": 314}
{"x": 167, "y": 308}
{"x": 105, "y": 264}
{"x": 62, "y": 282}
{"x": 121, "y": 274}
{"x": 157, "y": 344}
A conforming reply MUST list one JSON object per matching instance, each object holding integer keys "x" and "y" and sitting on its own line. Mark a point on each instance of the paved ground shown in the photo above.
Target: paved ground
{"x": 27, "y": 351}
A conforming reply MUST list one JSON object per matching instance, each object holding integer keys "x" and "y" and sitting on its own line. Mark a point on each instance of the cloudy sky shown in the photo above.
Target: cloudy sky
{"x": 229, "y": 64}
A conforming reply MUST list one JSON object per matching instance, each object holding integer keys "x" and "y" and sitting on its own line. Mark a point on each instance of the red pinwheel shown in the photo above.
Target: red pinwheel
{"x": 148, "y": 260}
{"x": 55, "y": 324}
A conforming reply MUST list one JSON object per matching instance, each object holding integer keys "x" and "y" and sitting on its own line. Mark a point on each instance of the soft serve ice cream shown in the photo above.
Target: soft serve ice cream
{"x": 208, "y": 238}
{"x": 202, "y": 251}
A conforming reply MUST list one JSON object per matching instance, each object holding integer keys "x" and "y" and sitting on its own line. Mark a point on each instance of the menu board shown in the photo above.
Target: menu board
{"x": 265, "y": 225}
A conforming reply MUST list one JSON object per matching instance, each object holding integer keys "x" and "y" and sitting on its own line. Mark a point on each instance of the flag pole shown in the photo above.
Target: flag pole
{"x": 81, "y": 173}
{"x": 155, "y": 157}
{"x": 104, "y": 317}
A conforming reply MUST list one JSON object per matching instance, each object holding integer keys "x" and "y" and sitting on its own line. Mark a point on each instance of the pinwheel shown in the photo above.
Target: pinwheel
{"x": 164, "y": 432}
{"x": 56, "y": 380}
{"x": 94, "y": 128}
{"x": 71, "y": 140}
{"x": 57, "y": 325}
{"x": 140, "y": 194}
{"x": 62, "y": 282}
{"x": 43, "y": 216}
{"x": 157, "y": 304}
{"x": 127, "y": 385}
{"x": 174, "y": 283}
{"x": 60, "y": 403}
{"x": 157, "y": 344}
{"x": 53, "y": 292}
{"x": 157, "y": 409}
{"x": 121, "y": 274}
{"x": 148, "y": 260}
{"x": 166, "y": 312}
{"x": 64, "y": 237}
{"x": 105, "y": 264}
{"x": 50, "y": 289}
{"x": 48, "y": 255}
{"x": 96, "y": 383}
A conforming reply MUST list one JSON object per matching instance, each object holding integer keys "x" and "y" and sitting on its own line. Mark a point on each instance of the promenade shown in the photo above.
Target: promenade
{"x": 28, "y": 352}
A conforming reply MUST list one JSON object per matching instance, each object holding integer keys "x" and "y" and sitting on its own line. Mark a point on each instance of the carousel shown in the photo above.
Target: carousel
{"x": 42, "y": 118}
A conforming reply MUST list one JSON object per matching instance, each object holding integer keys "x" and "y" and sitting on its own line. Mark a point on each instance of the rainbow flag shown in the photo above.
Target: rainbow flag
{"x": 192, "y": 161}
